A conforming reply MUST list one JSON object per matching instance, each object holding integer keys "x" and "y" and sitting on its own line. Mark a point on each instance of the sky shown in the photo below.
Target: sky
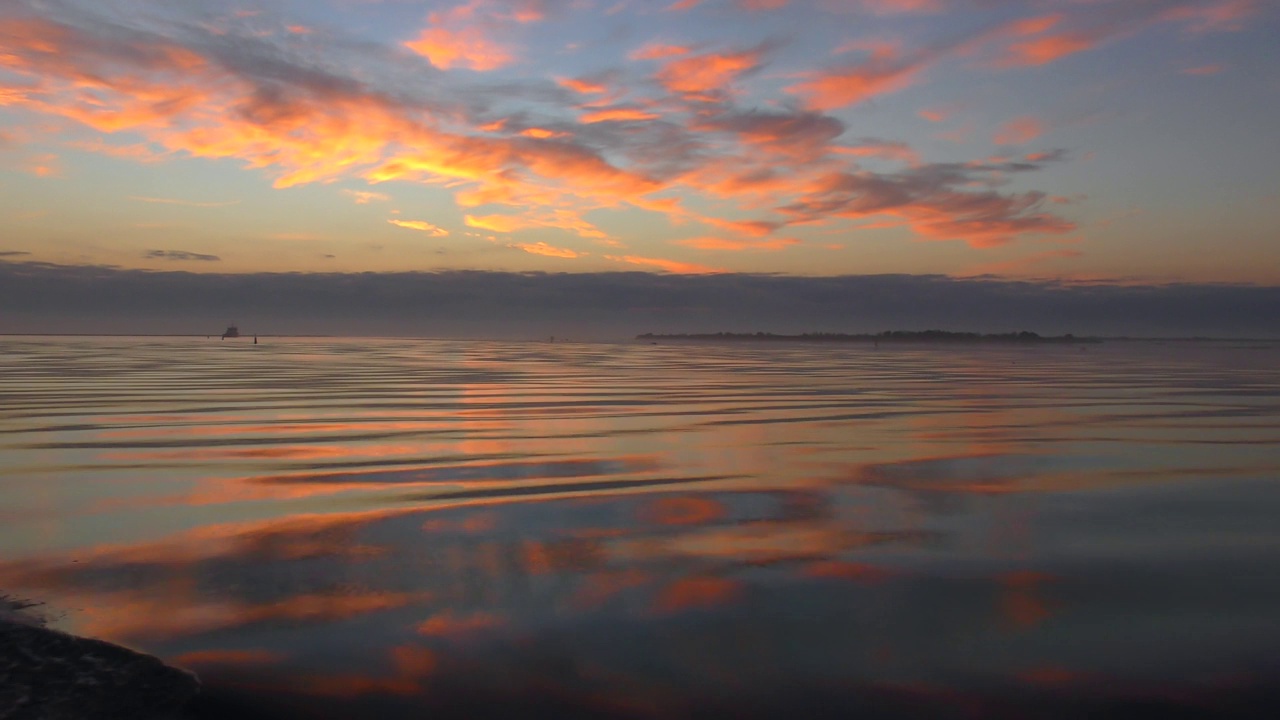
{"x": 1061, "y": 142}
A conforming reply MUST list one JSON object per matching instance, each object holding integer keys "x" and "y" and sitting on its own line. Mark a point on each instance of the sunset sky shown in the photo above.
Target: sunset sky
{"x": 1131, "y": 140}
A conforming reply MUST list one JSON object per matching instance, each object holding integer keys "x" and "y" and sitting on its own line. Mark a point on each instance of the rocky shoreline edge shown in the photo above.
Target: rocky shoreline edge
{"x": 46, "y": 674}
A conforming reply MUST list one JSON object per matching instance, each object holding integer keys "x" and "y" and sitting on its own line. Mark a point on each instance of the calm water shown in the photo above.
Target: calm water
{"x": 377, "y": 527}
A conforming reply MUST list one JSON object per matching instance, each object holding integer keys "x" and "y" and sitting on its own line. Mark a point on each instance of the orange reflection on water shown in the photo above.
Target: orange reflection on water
{"x": 697, "y": 592}
{"x": 598, "y": 588}
{"x": 450, "y": 623}
{"x": 227, "y": 657}
{"x": 847, "y": 570}
{"x": 684, "y": 510}
{"x": 1020, "y": 603}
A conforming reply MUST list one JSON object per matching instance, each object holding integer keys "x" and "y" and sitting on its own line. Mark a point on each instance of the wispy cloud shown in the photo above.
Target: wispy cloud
{"x": 1019, "y": 130}
{"x": 541, "y": 248}
{"x": 179, "y": 255}
{"x": 420, "y": 226}
{"x": 364, "y": 197}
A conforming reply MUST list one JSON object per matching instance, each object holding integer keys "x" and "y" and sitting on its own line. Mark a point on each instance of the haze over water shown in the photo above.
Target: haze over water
{"x": 368, "y": 526}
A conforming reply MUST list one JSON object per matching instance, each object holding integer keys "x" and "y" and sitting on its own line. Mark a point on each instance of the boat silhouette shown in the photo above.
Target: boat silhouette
{"x": 231, "y": 332}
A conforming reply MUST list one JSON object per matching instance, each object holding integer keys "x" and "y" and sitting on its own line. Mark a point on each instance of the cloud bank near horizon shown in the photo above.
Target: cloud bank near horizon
{"x": 44, "y": 298}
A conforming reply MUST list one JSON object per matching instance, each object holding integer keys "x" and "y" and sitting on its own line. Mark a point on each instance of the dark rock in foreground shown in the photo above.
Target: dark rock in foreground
{"x": 50, "y": 675}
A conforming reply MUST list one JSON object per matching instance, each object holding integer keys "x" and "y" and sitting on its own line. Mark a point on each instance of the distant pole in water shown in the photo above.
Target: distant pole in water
{"x": 553, "y": 339}
{"x": 255, "y": 339}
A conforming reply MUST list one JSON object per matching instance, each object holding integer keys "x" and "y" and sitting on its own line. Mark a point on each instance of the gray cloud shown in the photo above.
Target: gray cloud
{"x": 613, "y": 305}
{"x": 13, "y": 253}
{"x": 179, "y": 255}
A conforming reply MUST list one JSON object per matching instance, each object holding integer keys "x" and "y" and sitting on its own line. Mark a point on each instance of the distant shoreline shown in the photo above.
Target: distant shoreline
{"x": 892, "y": 336}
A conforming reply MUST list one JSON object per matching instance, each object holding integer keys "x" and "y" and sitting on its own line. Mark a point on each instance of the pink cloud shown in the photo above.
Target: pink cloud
{"x": 617, "y": 114}
{"x": 467, "y": 47}
{"x": 885, "y": 71}
{"x": 936, "y": 115}
{"x": 671, "y": 266}
{"x": 1019, "y": 130}
{"x": 581, "y": 85}
{"x": 682, "y": 5}
{"x": 708, "y": 75}
{"x": 894, "y": 7}
{"x": 420, "y": 226}
{"x": 757, "y": 5}
{"x": 541, "y": 248}
{"x": 737, "y": 244}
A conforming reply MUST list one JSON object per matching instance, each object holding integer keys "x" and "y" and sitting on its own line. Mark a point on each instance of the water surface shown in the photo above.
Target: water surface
{"x": 348, "y": 528}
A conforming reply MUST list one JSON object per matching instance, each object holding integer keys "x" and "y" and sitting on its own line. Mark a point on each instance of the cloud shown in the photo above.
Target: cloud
{"x": 1083, "y": 31}
{"x": 1019, "y": 131}
{"x": 885, "y": 71}
{"x": 58, "y": 298}
{"x": 894, "y": 7}
{"x": 541, "y": 248}
{"x": 461, "y": 38}
{"x": 682, "y": 5}
{"x": 13, "y": 253}
{"x": 186, "y": 203}
{"x": 671, "y": 266}
{"x": 708, "y": 76}
{"x": 420, "y": 226}
{"x": 617, "y": 114}
{"x": 722, "y": 243}
{"x": 364, "y": 197}
{"x": 529, "y": 150}
{"x": 939, "y": 201}
{"x": 179, "y": 255}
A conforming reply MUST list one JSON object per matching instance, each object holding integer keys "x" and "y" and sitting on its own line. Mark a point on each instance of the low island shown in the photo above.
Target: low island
{"x": 908, "y": 336}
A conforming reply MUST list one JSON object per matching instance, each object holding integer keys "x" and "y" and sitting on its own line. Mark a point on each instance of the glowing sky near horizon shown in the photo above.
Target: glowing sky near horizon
{"x": 1069, "y": 139}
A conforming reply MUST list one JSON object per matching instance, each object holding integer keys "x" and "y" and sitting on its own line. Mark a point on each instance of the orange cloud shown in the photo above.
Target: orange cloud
{"x": 720, "y": 243}
{"x": 541, "y": 248}
{"x": 617, "y": 115}
{"x": 1019, "y": 130}
{"x": 880, "y": 149}
{"x": 467, "y": 47}
{"x": 704, "y": 76}
{"x": 586, "y": 87}
{"x": 1045, "y": 50}
{"x": 934, "y": 114}
{"x": 757, "y": 228}
{"x": 893, "y": 7}
{"x": 420, "y": 226}
{"x": 671, "y": 266}
{"x": 883, "y": 72}
{"x": 498, "y": 223}
{"x": 681, "y": 5}
{"x": 536, "y": 132}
